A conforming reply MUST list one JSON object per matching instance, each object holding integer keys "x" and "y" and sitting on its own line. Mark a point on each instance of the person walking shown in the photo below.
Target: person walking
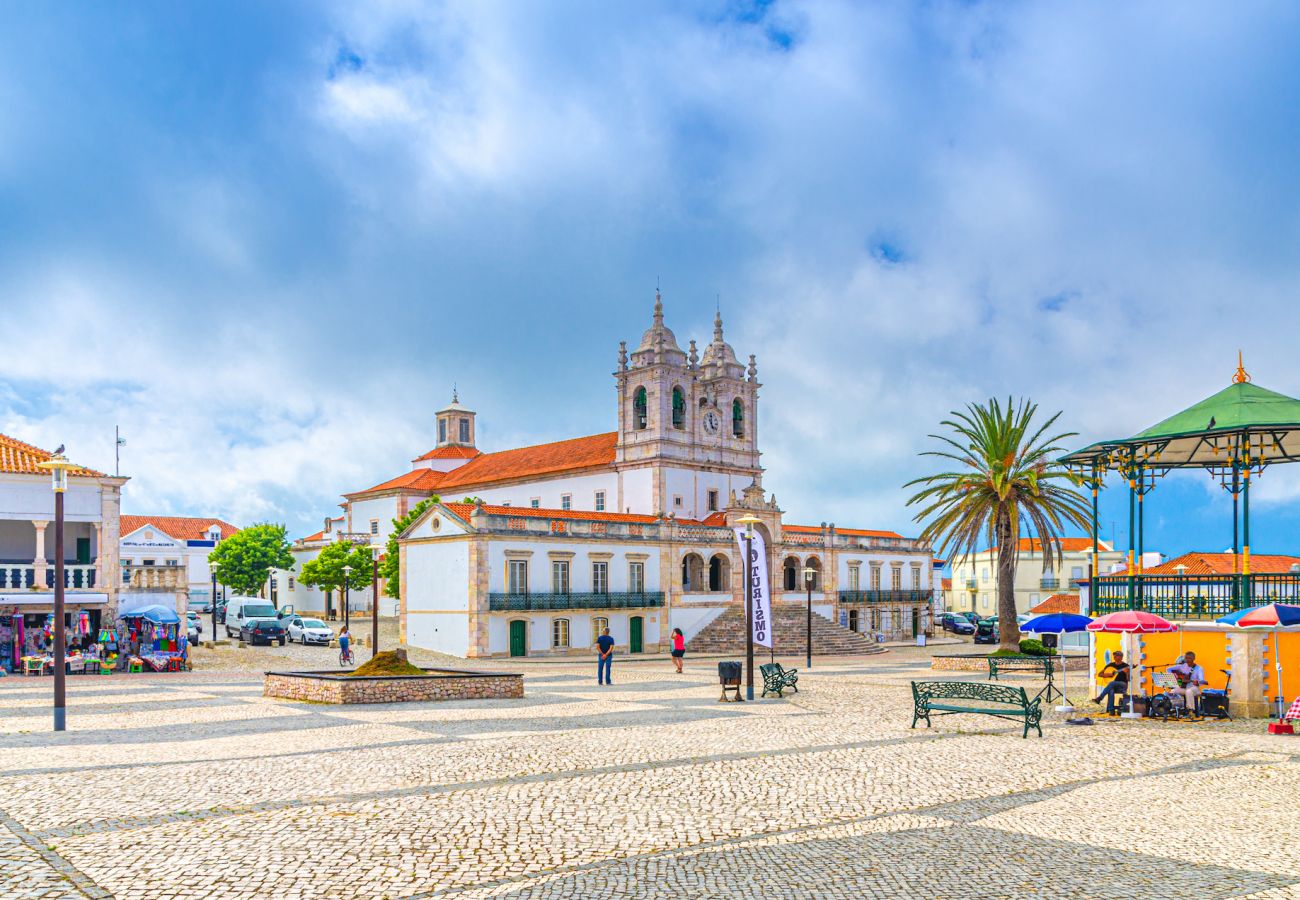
{"x": 679, "y": 649}
{"x": 604, "y": 657}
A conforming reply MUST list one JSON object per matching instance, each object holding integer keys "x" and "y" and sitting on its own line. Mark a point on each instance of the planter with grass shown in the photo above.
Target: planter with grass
{"x": 391, "y": 678}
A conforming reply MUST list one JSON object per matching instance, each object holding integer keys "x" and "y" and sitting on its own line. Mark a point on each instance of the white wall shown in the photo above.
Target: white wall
{"x": 443, "y": 632}
{"x": 638, "y": 492}
{"x": 437, "y": 582}
{"x": 691, "y": 620}
{"x": 382, "y": 508}
{"x": 31, "y": 497}
{"x": 694, "y": 485}
{"x": 580, "y": 637}
{"x": 582, "y": 487}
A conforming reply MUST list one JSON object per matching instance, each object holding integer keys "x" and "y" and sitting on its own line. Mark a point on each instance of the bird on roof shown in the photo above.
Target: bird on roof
{"x": 1213, "y": 422}
{"x": 58, "y": 451}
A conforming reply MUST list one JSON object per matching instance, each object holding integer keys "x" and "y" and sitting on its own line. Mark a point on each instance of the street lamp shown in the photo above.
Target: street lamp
{"x": 749, "y": 521}
{"x": 214, "y": 606}
{"x": 375, "y": 550}
{"x": 58, "y": 465}
{"x": 347, "y": 576}
{"x": 808, "y": 573}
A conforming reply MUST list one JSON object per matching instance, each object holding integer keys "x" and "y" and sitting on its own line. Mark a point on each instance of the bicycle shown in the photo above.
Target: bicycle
{"x": 346, "y": 657}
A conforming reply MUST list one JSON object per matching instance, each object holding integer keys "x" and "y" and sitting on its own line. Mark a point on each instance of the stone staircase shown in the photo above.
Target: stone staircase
{"x": 726, "y": 634}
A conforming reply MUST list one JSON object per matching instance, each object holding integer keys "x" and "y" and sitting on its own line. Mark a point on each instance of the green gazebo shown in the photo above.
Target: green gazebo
{"x": 1233, "y": 435}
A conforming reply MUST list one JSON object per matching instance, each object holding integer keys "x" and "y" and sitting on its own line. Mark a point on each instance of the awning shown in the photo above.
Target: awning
{"x": 46, "y": 598}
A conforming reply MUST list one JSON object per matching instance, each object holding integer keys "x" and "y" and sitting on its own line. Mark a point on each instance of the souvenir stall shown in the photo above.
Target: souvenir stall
{"x": 27, "y": 642}
{"x": 153, "y": 638}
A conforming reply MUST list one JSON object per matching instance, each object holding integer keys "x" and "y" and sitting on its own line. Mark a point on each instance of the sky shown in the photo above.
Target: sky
{"x": 266, "y": 239}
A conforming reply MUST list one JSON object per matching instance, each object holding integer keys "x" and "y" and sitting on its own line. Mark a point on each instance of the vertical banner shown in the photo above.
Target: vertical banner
{"x": 757, "y": 587}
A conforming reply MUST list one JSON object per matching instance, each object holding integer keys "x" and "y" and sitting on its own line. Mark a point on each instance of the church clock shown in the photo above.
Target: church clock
{"x": 712, "y": 422}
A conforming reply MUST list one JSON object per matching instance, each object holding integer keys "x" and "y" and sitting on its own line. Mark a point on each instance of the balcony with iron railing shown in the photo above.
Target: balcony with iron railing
{"x": 1193, "y": 596}
{"x": 1049, "y": 583}
{"x": 23, "y": 576}
{"x": 885, "y": 596}
{"x": 517, "y": 602}
{"x": 972, "y": 584}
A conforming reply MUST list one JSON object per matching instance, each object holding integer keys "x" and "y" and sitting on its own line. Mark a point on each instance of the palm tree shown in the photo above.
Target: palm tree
{"x": 1007, "y": 483}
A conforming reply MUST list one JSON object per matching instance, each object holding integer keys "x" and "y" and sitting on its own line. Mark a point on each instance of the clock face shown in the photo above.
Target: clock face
{"x": 712, "y": 422}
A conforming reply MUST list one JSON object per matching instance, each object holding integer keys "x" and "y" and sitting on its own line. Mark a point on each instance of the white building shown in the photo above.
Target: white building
{"x": 179, "y": 543}
{"x": 91, "y": 509}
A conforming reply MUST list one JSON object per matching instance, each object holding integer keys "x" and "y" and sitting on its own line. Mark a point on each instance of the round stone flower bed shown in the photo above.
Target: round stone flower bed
{"x": 433, "y": 684}
{"x": 980, "y": 663}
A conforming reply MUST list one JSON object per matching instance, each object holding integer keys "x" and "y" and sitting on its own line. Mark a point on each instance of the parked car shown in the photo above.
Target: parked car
{"x": 263, "y": 631}
{"x": 201, "y": 606}
{"x": 957, "y": 624}
{"x": 986, "y": 632}
{"x": 193, "y": 626}
{"x": 970, "y": 616}
{"x": 308, "y": 631}
{"x": 221, "y": 611}
{"x": 242, "y": 609}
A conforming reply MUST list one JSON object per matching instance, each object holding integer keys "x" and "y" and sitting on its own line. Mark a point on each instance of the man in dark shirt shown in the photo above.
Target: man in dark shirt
{"x": 1118, "y": 670}
{"x": 605, "y": 657}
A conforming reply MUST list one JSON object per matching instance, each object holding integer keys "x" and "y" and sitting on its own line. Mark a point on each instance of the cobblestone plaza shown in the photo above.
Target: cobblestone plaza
{"x": 197, "y": 786}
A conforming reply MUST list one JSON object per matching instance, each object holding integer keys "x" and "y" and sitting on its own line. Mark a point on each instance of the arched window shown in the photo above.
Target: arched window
{"x": 559, "y": 633}
{"x": 790, "y": 573}
{"x": 816, "y": 565}
{"x": 737, "y": 418}
{"x": 692, "y": 573}
{"x": 639, "y": 408}
{"x": 719, "y": 572}
{"x": 679, "y": 408}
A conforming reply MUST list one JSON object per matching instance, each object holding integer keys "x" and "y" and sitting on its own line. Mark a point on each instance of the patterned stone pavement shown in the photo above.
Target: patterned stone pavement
{"x": 197, "y": 786}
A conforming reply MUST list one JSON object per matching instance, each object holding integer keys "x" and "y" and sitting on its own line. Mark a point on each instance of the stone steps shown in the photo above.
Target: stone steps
{"x": 726, "y": 634}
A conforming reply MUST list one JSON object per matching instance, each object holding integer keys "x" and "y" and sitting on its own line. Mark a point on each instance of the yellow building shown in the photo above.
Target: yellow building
{"x": 975, "y": 578}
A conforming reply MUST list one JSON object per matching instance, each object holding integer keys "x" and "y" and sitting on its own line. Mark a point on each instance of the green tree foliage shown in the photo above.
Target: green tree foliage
{"x": 244, "y": 560}
{"x": 390, "y": 566}
{"x": 326, "y": 570}
{"x": 1005, "y": 483}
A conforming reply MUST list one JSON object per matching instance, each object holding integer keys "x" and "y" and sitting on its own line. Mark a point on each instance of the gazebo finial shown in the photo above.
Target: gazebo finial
{"x": 1242, "y": 375}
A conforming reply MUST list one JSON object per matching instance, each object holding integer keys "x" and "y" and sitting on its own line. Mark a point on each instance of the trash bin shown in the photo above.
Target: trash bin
{"x": 729, "y": 677}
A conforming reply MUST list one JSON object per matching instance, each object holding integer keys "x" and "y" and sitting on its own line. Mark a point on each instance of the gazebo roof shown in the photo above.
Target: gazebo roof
{"x": 1243, "y": 421}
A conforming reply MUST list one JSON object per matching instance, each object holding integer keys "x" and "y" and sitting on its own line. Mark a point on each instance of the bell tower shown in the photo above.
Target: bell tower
{"x": 656, "y": 394}
{"x": 455, "y": 424}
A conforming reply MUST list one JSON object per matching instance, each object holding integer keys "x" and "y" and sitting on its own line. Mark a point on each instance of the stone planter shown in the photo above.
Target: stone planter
{"x": 979, "y": 663}
{"x": 435, "y": 684}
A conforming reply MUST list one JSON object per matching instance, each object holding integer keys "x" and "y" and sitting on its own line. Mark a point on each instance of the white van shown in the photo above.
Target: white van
{"x": 241, "y": 609}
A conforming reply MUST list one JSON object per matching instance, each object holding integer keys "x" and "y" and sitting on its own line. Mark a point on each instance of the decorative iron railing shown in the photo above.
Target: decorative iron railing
{"x": 507, "y": 602}
{"x": 1049, "y": 583}
{"x": 902, "y": 596}
{"x": 972, "y": 584}
{"x": 1193, "y": 596}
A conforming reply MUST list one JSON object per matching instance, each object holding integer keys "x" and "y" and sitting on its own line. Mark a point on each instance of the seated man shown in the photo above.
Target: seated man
{"x": 1118, "y": 670}
{"x": 1191, "y": 678}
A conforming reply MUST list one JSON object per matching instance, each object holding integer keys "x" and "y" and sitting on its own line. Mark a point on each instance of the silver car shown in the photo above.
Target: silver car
{"x": 193, "y": 627}
{"x": 306, "y": 630}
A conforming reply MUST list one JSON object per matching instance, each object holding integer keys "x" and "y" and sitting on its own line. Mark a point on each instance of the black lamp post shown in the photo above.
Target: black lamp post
{"x": 375, "y": 550}
{"x": 58, "y": 465}
{"x": 347, "y": 576}
{"x": 749, "y": 522}
{"x": 214, "y": 606}
{"x": 808, "y": 572}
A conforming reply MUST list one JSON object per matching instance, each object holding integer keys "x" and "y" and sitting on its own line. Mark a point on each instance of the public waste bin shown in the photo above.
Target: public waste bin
{"x": 920, "y": 640}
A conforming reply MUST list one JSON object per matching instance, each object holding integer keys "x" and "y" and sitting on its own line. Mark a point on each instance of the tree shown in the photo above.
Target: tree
{"x": 390, "y": 565}
{"x": 1007, "y": 483}
{"x": 244, "y": 560}
{"x": 326, "y": 570}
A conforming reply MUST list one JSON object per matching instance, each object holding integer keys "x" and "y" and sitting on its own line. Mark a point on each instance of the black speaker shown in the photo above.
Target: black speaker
{"x": 1049, "y": 641}
{"x": 1215, "y": 704}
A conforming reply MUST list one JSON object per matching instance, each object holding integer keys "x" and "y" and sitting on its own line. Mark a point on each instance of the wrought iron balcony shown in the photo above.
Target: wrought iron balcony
{"x": 1193, "y": 596}
{"x": 1049, "y": 583}
{"x": 902, "y": 596}
{"x": 972, "y": 584}
{"x": 507, "y": 602}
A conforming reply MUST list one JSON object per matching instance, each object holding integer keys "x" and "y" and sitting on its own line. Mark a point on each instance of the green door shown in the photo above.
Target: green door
{"x": 634, "y": 642}
{"x": 518, "y": 638}
{"x": 83, "y": 551}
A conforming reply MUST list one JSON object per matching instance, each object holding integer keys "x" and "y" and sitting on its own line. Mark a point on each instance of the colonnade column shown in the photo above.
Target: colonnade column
{"x": 38, "y": 561}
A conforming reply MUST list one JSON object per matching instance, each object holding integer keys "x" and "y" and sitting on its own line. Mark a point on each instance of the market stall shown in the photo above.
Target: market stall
{"x": 27, "y": 638}
{"x": 153, "y": 638}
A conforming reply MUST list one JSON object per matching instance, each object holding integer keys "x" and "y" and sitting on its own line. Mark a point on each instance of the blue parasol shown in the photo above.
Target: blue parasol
{"x": 158, "y": 614}
{"x": 1058, "y": 623}
{"x": 1232, "y": 617}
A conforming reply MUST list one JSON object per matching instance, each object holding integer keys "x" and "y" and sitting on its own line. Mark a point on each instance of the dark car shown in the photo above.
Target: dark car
{"x": 957, "y": 624}
{"x": 986, "y": 632}
{"x": 263, "y": 631}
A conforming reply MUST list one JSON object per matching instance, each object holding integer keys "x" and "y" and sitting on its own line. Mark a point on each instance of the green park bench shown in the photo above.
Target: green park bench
{"x": 1038, "y": 664}
{"x": 777, "y": 679}
{"x": 999, "y": 700}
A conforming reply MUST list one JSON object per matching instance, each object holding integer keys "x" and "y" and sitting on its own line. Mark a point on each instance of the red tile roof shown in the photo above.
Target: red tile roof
{"x": 1068, "y": 545}
{"x": 946, "y": 584}
{"x": 1058, "y": 603}
{"x": 716, "y": 519}
{"x": 451, "y": 451}
{"x": 180, "y": 528}
{"x": 851, "y": 532}
{"x": 573, "y": 455}
{"x": 1222, "y": 564}
{"x": 465, "y": 510}
{"x": 19, "y": 458}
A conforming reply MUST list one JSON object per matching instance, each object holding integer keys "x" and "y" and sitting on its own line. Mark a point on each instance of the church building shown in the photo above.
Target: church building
{"x": 631, "y": 530}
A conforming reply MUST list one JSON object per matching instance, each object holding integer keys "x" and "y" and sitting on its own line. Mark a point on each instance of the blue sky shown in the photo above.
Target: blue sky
{"x": 265, "y": 239}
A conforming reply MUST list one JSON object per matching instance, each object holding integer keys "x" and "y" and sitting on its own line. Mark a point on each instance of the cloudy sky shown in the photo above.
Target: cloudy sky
{"x": 266, "y": 239}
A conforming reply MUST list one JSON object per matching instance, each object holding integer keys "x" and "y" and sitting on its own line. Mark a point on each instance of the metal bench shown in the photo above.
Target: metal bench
{"x": 1044, "y": 664}
{"x": 998, "y": 700}
{"x": 777, "y": 679}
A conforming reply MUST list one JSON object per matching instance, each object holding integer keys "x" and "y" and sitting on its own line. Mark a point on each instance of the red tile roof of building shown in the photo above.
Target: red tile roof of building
{"x": 181, "y": 528}
{"x": 1222, "y": 564}
{"x": 1058, "y": 603}
{"x": 1068, "y": 545}
{"x": 946, "y": 584}
{"x": 851, "y": 532}
{"x": 20, "y": 458}
{"x": 451, "y": 451}
{"x": 421, "y": 480}
{"x": 715, "y": 519}
{"x": 465, "y": 510}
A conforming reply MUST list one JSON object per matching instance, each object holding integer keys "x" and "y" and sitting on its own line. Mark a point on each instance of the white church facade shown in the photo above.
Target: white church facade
{"x": 631, "y": 529}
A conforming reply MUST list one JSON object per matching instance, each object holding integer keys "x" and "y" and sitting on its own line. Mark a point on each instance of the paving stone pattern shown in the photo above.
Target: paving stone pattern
{"x": 198, "y": 786}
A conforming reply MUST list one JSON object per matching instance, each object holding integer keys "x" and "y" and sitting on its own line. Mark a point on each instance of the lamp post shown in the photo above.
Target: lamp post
{"x": 808, "y": 572}
{"x": 375, "y": 550}
{"x": 58, "y": 465}
{"x": 214, "y": 606}
{"x": 749, "y": 522}
{"x": 347, "y": 576}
